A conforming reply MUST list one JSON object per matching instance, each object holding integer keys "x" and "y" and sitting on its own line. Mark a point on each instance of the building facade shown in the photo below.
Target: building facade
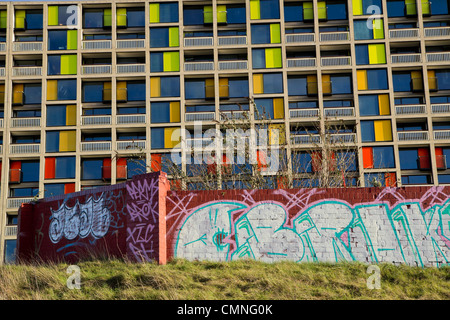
{"x": 87, "y": 85}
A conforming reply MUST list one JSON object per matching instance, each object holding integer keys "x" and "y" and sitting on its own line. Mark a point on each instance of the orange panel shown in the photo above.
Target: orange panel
{"x": 367, "y": 153}
{"x": 50, "y": 168}
{"x": 262, "y": 160}
{"x": 106, "y": 169}
{"x": 390, "y": 179}
{"x": 121, "y": 168}
{"x": 14, "y": 172}
{"x": 424, "y": 158}
{"x": 156, "y": 162}
{"x": 440, "y": 159}
{"x": 316, "y": 161}
{"x": 69, "y": 188}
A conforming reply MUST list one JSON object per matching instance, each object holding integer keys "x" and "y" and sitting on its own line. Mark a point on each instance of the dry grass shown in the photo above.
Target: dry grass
{"x": 246, "y": 280}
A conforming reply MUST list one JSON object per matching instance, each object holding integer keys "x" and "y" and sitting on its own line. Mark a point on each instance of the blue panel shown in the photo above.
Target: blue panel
{"x": 54, "y": 65}
{"x": 273, "y": 83}
{"x": 93, "y": 19}
{"x": 235, "y": 14}
{"x": 93, "y": 92}
{"x": 409, "y": 159}
{"x": 362, "y": 54}
{"x": 159, "y": 37}
{"x": 194, "y": 89}
{"x": 341, "y": 84}
{"x": 439, "y": 7}
{"x": 260, "y": 33}
{"x": 160, "y": 112}
{"x": 157, "y": 138}
{"x": 336, "y": 11}
{"x": 264, "y": 108}
{"x": 383, "y": 157}
{"x": 362, "y": 32}
{"x": 67, "y": 89}
{"x": 135, "y": 18}
{"x": 293, "y": 12}
{"x": 368, "y": 105}
{"x": 32, "y": 93}
{"x": 53, "y": 189}
{"x": 377, "y": 79}
{"x": 10, "y": 251}
{"x": 135, "y": 167}
{"x": 91, "y": 169}
{"x": 52, "y": 141}
{"x": 57, "y": 39}
{"x": 297, "y": 86}
{"x": 259, "y": 58}
{"x": 56, "y": 116}
{"x": 136, "y": 91}
{"x": 443, "y": 80}
{"x": 156, "y": 62}
{"x": 193, "y": 16}
{"x": 238, "y": 88}
{"x": 270, "y": 9}
{"x": 168, "y": 12}
{"x": 301, "y": 162}
{"x": 402, "y": 81}
{"x": 170, "y": 86}
{"x": 30, "y": 171}
{"x": 367, "y": 131}
{"x": 34, "y": 19}
{"x": 65, "y": 167}
{"x": 396, "y": 8}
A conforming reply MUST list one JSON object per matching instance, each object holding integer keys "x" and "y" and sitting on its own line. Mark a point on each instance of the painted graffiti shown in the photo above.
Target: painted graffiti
{"x": 81, "y": 220}
{"x": 326, "y": 230}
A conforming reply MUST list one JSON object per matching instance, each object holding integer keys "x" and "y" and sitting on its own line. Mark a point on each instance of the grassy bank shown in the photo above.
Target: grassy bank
{"x": 249, "y": 280}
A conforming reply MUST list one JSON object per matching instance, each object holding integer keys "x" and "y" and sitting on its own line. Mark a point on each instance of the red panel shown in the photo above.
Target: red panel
{"x": 69, "y": 188}
{"x": 15, "y": 170}
{"x": 106, "y": 169}
{"x": 156, "y": 162}
{"x": 390, "y": 179}
{"x": 367, "y": 153}
{"x": 440, "y": 158}
{"x": 424, "y": 158}
{"x": 121, "y": 168}
{"x": 316, "y": 161}
{"x": 50, "y": 168}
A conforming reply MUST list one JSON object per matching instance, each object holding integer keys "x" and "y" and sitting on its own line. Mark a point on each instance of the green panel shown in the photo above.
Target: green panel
{"x": 107, "y": 19}
{"x": 273, "y": 58}
{"x": 221, "y": 13}
{"x": 378, "y": 29}
{"x": 255, "y": 9}
{"x": 20, "y": 19}
{"x": 308, "y": 13}
{"x": 322, "y": 9}
{"x": 53, "y": 15}
{"x": 275, "y": 33}
{"x": 357, "y": 7}
{"x": 69, "y": 64}
{"x": 171, "y": 61}
{"x": 410, "y": 7}
{"x": 72, "y": 39}
{"x": 3, "y": 19}
{"x": 377, "y": 54}
{"x": 426, "y": 7}
{"x": 174, "y": 38}
{"x": 207, "y": 14}
{"x": 154, "y": 12}
{"x": 121, "y": 17}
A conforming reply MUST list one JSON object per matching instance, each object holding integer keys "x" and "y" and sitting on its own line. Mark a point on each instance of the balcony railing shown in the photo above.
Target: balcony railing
{"x": 440, "y": 108}
{"x": 438, "y": 57}
{"x": 2, "y": 46}
{"x": 130, "y": 68}
{"x": 96, "y": 146}
{"x": 130, "y": 119}
{"x": 305, "y": 139}
{"x": 130, "y": 44}
{"x": 410, "y": 109}
{"x": 300, "y": 38}
{"x": 24, "y": 148}
{"x": 304, "y": 113}
{"x": 334, "y": 36}
{"x": 406, "y": 58}
{"x": 335, "y": 61}
{"x": 437, "y": 32}
{"x": 235, "y": 115}
{"x": 97, "y": 69}
{"x": 339, "y": 112}
{"x": 441, "y": 135}
{"x": 233, "y": 65}
{"x": 2, "y": 72}
{"x": 342, "y": 137}
{"x": 13, "y": 203}
{"x": 95, "y": 120}
{"x": 232, "y": 40}
{"x": 11, "y": 231}
{"x": 301, "y": 62}
{"x": 209, "y": 143}
{"x": 198, "y": 42}
{"x": 27, "y": 46}
{"x": 25, "y": 122}
{"x": 403, "y": 33}
{"x": 200, "y": 116}
{"x": 27, "y": 71}
{"x": 130, "y": 145}
{"x": 199, "y": 66}
{"x": 96, "y": 44}
{"x": 412, "y": 135}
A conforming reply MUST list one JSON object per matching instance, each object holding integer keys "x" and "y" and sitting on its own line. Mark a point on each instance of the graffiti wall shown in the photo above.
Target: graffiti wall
{"x": 393, "y": 225}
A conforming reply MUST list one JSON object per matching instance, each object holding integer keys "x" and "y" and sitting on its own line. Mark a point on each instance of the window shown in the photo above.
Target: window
{"x": 383, "y": 179}
{"x": 27, "y": 94}
{"x": 24, "y": 171}
{"x": 60, "y": 141}
{"x": 96, "y": 169}
{"x": 130, "y": 17}
{"x": 372, "y": 79}
{"x": 233, "y": 88}
{"x": 60, "y": 167}
{"x": 57, "y": 189}
{"x": 61, "y": 89}
{"x": 194, "y": 15}
{"x": 163, "y": 12}
{"x": 165, "y": 112}
{"x": 131, "y": 110}
{"x": 24, "y": 192}
{"x": 62, "y": 64}
{"x": 29, "y": 19}
{"x": 416, "y": 179}
{"x": 269, "y": 108}
{"x": 414, "y": 158}
{"x": 378, "y": 130}
{"x": 126, "y": 168}
{"x": 96, "y": 92}
{"x": 378, "y": 157}
{"x": 97, "y": 18}
{"x": 10, "y": 251}
{"x": 363, "y": 7}
{"x": 165, "y": 138}
{"x": 234, "y": 13}
{"x": 199, "y": 88}
{"x": 370, "y": 54}
{"x": 130, "y": 91}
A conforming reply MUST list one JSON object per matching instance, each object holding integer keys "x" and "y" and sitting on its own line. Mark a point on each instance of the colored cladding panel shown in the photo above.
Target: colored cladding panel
{"x": 424, "y": 158}
{"x": 221, "y": 13}
{"x": 207, "y": 14}
{"x": 15, "y": 171}
{"x": 378, "y": 29}
{"x": 383, "y": 105}
{"x": 50, "y": 165}
{"x": 440, "y": 158}
{"x": 417, "y": 80}
{"x": 106, "y": 168}
{"x": 69, "y": 64}
{"x": 67, "y": 141}
{"x": 121, "y": 168}
{"x": 154, "y": 12}
{"x": 171, "y": 137}
{"x": 322, "y": 10}
{"x": 224, "y": 88}
{"x": 72, "y": 39}
{"x": 71, "y": 115}
{"x": 367, "y": 154}
{"x": 18, "y": 95}
{"x": 255, "y": 9}
{"x": 361, "y": 76}
{"x": 107, "y": 91}
{"x": 390, "y": 179}
{"x": 377, "y": 54}
{"x": 209, "y": 88}
{"x": 174, "y": 40}
{"x": 121, "y": 17}
{"x": 410, "y": 7}
{"x": 3, "y": 19}
{"x": 276, "y": 134}
{"x": 357, "y": 7}
{"x": 326, "y": 84}
{"x": 121, "y": 91}
{"x": 273, "y": 57}
{"x": 308, "y": 13}
{"x": 171, "y": 61}
{"x": 311, "y": 83}
{"x": 20, "y": 19}
{"x": 278, "y": 108}
{"x": 69, "y": 188}
{"x": 175, "y": 112}
{"x": 275, "y": 33}
{"x": 52, "y": 15}
{"x": 156, "y": 161}
{"x": 155, "y": 87}
{"x": 426, "y": 7}
{"x": 383, "y": 131}
{"x": 258, "y": 83}
{"x": 432, "y": 81}
{"x": 107, "y": 18}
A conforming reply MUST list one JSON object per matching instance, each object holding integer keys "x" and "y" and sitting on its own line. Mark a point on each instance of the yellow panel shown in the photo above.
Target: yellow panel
{"x": 417, "y": 80}
{"x": 18, "y": 93}
{"x": 223, "y": 88}
{"x": 121, "y": 91}
{"x": 361, "y": 76}
{"x": 121, "y": 17}
{"x": 67, "y": 141}
{"x": 221, "y": 13}
{"x": 107, "y": 91}
{"x": 432, "y": 81}
{"x": 209, "y": 88}
{"x": 52, "y": 90}
{"x": 312, "y": 84}
{"x": 277, "y": 134}
{"x": 255, "y": 10}
{"x": 322, "y": 9}
{"x": 258, "y": 83}
{"x": 326, "y": 84}
{"x": 171, "y": 137}
{"x": 357, "y": 7}
{"x": 154, "y": 12}
{"x": 155, "y": 87}
{"x": 278, "y": 108}
{"x": 71, "y": 115}
{"x": 378, "y": 29}
{"x": 175, "y": 115}
{"x": 377, "y": 54}
{"x": 383, "y": 104}
{"x": 383, "y": 131}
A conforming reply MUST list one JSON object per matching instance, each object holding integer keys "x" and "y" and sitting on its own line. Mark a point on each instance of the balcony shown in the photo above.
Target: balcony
{"x": 96, "y": 146}
{"x": 96, "y": 44}
{"x": 14, "y": 203}
{"x": 334, "y": 36}
{"x": 339, "y": 112}
{"x": 25, "y": 122}
{"x": 196, "y": 143}
{"x": 335, "y": 61}
{"x": 131, "y": 68}
{"x": 342, "y": 138}
{"x": 441, "y": 135}
{"x": 234, "y": 115}
{"x": 27, "y": 46}
{"x": 130, "y": 44}
{"x": 412, "y": 135}
{"x": 199, "y": 66}
{"x": 301, "y": 62}
{"x": 437, "y": 32}
{"x": 26, "y": 71}
{"x": 406, "y": 58}
{"x": 440, "y": 108}
{"x": 438, "y": 57}
{"x": 11, "y": 231}
{"x": 95, "y": 120}
{"x": 200, "y": 116}
{"x": 303, "y": 139}
{"x": 130, "y": 119}
{"x": 410, "y": 109}
{"x": 233, "y": 65}
{"x": 24, "y": 148}
{"x": 130, "y": 145}
{"x": 300, "y": 38}
{"x": 403, "y": 33}
{"x": 232, "y": 41}
{"x": 198, "y": 42}
{"x": 303, "y": 113}
{"x": 97, "y": 69}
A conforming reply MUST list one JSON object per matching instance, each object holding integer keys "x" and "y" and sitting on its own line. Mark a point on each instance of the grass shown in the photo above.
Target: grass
{"x": 237, "y": 280}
